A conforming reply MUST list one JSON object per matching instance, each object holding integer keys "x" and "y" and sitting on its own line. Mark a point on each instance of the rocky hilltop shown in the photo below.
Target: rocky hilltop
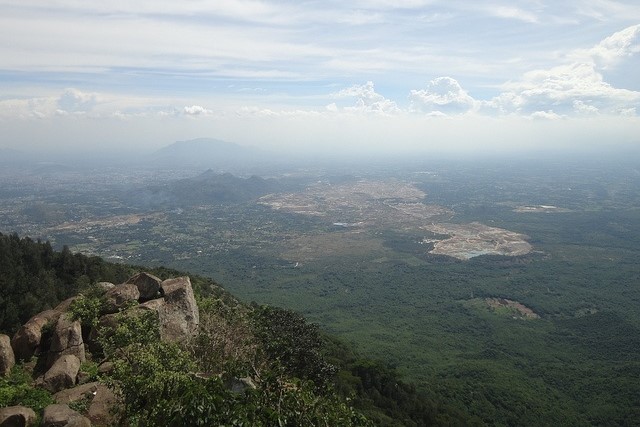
{"x": 61, "y": 343}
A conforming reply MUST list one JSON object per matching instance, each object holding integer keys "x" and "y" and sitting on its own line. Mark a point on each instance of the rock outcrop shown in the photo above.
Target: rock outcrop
{"x": 62, "y": 374}
{"x": 7, "y": 358}
{"x": 63, "y": 350}
{"x": 148, "y": 285}
{"x": 26, "y": 341}
{"x": 84, "y": 391}
{"x": 67, "y": 339}
{"x": 177, "y": 311}
{"x": 105, "y": 286}
{"x": 101, "y": 408}
{"x": 120, "y": 296}
{"x": 60, "y": 415}
{"x": 179, "y": 315}
{"x": 101, "y": 402}
{"x": 17, "y": 416}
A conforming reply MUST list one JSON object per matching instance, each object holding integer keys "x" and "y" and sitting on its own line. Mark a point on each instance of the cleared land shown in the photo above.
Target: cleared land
{"x": 391, "y": 205}
{"x": 474, "y": 239}
{"x": 539, "y": 208}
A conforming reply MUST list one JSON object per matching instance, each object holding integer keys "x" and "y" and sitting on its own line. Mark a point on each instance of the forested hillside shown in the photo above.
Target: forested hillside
{"x": 299, "y": 375}
{"x": 34, "y": 277}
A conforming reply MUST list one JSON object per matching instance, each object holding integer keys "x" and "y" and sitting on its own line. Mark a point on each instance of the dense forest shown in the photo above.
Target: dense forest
{"x": 306, "y": 376}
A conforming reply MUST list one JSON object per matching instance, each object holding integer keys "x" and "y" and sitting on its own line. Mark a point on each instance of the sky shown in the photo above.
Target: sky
{"x": 308, "y": 76}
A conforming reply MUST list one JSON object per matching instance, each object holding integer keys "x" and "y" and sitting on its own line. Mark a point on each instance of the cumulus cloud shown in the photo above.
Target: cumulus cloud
{"x": 545, "y": 115}
{"x": 443, "y": 94}
{"x": 577, "y": 87}
{"x": 367, "y": 100}
{"x": 581, "y": 108}
{"x": 27, "y": 108}
{"x": 196, "y": 110}
{"x": 75, "y": 101}
{"x": 610, "y": 51}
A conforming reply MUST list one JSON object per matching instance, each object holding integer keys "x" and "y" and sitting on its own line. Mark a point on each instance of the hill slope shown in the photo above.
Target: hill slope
{"x": 294, "y": 374}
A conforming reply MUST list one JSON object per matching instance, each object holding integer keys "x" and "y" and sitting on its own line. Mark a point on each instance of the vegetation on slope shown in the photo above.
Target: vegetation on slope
{"x": 248, "y": 365}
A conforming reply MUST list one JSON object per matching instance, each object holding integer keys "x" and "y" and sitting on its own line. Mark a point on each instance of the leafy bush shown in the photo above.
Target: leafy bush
{"x": 87, "y": 310}
{"x": 17, "y": 389}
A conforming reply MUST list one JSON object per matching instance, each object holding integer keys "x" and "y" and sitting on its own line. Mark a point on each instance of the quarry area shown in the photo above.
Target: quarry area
{"x": 375, "y": 205}
{"x": 474, "y": 239}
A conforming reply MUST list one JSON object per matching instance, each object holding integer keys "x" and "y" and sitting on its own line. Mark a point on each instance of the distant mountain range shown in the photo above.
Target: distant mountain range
{"x": 195, "y": 154}
{"x": 209, "y": 153}
{"x": 207, "y": 188}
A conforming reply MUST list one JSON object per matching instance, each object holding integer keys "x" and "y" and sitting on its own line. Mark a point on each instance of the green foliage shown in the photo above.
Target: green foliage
{"x": 292, "y": 363}
{"x": 81, "y": 405}
{"x": 286, "y": 336}
{"x": 225, "y": 344}
{"x": 139, "y": 328}
{"x": 18, "y": 389}
{"x": 34, "y": 277}
{"x": 160, "y": 385}
{"x": 87, "y": 310}
{"x": 90, "y": 368}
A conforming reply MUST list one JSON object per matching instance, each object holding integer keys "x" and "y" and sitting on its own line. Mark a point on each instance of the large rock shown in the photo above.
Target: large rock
{"x": 101, "y": 411}
{"x": 17, "y": 416}
{"x": 153, "y": 305}
{"x": 26, "y": 341}
{"x": 60, "y": 415}
{"x": 84, "y": 391}
{"x": 179, "y": 316}
{"x": 67, "y": 339}
{"x": 62, "y": 374}
{"x": 105, "y": 286}
{"x": 120, "y": 296}
{"x": 7, "y": 358}
{"x": 148, "y": 285}
{"x": 64, "y": 305}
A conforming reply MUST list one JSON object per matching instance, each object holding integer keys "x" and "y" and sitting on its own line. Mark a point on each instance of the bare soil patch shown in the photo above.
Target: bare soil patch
{"x": 475, "y": 239}
{"x": 512, "y": 308}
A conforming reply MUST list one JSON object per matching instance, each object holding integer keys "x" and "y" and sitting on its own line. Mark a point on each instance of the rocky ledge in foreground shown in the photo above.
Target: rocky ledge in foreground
{"x": 55, "y": 345}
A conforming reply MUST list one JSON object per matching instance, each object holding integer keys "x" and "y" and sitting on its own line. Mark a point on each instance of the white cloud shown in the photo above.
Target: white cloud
{"x": 581, "y": 107}
{"x": 443, "y": 94}
{"x": 367, "y": 100}
{"x": 196, "y": 110}
{"x": 192, "y": 52}
{"x": 546, "y": 115}
{"x": 511, "y": 12}
{"x": 610, "y": 51}
{"x": 564, "y": 89}
{"x": 26, "y": 108}
{"x": 75, "y": 101}
{"x": 576, "y": 87}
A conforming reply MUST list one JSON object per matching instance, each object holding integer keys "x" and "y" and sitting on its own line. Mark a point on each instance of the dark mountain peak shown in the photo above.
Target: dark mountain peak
{"x": 208, "y": 153}
{"x": 209, "y": 187}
